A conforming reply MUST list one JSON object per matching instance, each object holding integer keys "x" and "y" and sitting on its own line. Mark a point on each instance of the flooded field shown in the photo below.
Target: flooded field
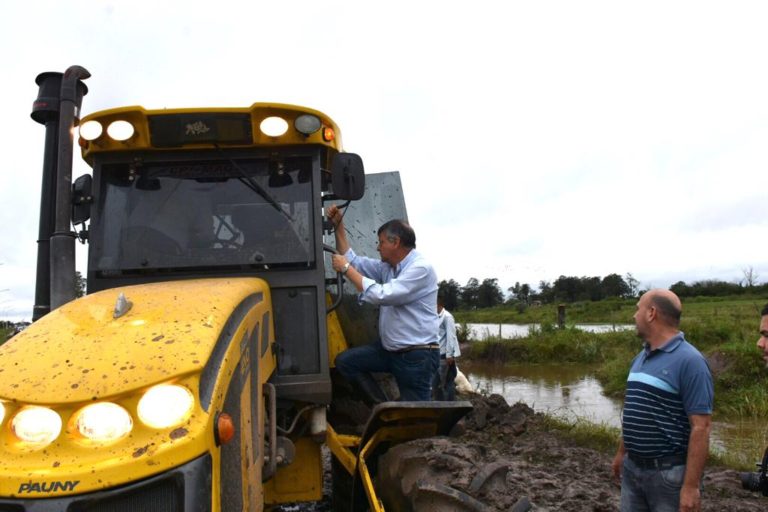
{"x": 507, "y": 331}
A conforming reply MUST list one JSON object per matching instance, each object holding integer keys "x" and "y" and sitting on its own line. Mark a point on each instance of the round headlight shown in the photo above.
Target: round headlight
{"x": 91, "y": 130}
{"x": 35, "y": 425}
{"x": 104, "y": 422}
{"x": 274, "y": 126}
{"x": 165, "y": 406}
{"x": 307, "y": 124}
{"x": 120, "y": 130}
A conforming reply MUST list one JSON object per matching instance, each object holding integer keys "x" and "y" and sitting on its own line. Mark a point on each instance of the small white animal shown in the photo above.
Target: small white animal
{"x": 462, "y": 384}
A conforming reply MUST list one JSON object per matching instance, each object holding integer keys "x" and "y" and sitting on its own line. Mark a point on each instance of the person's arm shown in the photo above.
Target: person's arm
{"x": 451, "y": 341}
{"x": 336, "y": 217}
{"x": 618, "y": 461}
{"x": 698, "y": 450}
{"x": 340, "y": 263}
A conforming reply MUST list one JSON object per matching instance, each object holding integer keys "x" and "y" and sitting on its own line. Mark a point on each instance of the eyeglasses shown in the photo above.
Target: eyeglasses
{"x": 390, "y": 239}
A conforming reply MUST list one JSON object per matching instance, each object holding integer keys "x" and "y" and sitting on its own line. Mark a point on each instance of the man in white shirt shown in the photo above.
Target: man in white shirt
{"x": 444, "y": 385}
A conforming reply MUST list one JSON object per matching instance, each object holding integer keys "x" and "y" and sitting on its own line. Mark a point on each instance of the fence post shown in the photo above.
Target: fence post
{"x": 561, "y": 316}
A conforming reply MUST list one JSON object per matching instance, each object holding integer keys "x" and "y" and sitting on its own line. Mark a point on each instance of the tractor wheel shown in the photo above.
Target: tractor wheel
{"x": 438, "y": 474}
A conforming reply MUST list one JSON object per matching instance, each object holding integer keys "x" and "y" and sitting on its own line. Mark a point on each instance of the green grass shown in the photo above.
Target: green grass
{"x": 605, "y": 439}
{"x": 584, "y": 433}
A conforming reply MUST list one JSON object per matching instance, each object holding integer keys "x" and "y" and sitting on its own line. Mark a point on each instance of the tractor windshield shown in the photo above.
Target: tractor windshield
{"x": 203, "y": 214}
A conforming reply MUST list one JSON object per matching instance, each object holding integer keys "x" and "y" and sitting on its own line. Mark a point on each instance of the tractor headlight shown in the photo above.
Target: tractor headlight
{"x": 307, "y": 124}
{"x": 120, "y": 130}
{"x": 91, "y": 130}
{"x": 274, "y": 126}
{"x": 104, "y": 422}
{"x": 165, "y": 406}
{"x": 38, "y": 426}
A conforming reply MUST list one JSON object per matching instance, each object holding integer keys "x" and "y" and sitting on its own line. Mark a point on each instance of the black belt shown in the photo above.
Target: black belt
{"x": 666, "y": 462}
{"x": 430, "y": 346}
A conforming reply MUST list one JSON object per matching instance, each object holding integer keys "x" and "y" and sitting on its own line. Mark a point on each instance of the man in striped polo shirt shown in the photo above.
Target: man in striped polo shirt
{"x": 667, "y": 414}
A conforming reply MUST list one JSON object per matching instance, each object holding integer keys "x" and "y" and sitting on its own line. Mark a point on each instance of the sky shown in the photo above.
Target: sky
{"x": 533, "y": 139}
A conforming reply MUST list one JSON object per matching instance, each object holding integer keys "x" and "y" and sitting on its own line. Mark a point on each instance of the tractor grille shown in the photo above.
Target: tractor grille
{"x": 163, "y": 497}
{"x": 186, "y": 488}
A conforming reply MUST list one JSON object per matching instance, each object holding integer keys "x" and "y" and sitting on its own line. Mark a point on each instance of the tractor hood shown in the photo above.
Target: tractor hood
{"x": 81, "y": 352}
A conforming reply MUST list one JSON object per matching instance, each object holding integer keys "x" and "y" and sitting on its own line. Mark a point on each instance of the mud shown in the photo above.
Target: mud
{"x": 505, "y": 457}
{"x": 555, "y": 475}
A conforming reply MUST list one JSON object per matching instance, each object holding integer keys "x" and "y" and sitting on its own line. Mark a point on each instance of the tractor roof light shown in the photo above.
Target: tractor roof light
{"x": 120, "y": 130}
{"x": 36, "y": 426}
{"x": 104, "y": 422}
{"x": 273, "y": 126}
{"x": 307, "y": 124}
{"x": 165, "y": 405}
{"x": 328, "y": 134}
{"x": 91, "y": 130}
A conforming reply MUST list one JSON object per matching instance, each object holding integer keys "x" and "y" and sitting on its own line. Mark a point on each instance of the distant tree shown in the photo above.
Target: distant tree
{"x": 469, "y": 293}
{"x": 79, "y": 284}
{"x": 613, "y": 285}
{"x": 489, "y": 293}
{"x": 449, "y": 290}
{"x": 707, "y": 288}
{"x": 750, "y": 277}
{"x": 546, "y": 293}
{"x": 593, "y": 288}
{"x": 633, "y": 284}
{"x": 568, "y": 288}
{"x": 681, "y": 289}
{"x": 520, "y": 292}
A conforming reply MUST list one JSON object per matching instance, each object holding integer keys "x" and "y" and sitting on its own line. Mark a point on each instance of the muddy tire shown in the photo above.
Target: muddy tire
{"x": 438, "y": 474}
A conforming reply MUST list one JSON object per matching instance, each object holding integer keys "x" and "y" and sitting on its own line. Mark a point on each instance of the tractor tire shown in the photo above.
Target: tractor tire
{"x": 439, "y": 474}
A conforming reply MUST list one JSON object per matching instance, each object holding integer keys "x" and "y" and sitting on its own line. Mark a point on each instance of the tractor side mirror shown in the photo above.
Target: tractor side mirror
{"x": 81, "y": 199}
{"x": 348, "y": 176}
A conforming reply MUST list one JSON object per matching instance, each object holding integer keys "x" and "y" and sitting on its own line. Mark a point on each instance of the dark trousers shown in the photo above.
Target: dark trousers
{"x": 413, "y": 371}
{"x": 444, "y": 385}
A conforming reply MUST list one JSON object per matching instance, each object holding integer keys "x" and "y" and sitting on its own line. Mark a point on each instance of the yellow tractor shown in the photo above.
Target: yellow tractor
{"x": 196, "y": 373}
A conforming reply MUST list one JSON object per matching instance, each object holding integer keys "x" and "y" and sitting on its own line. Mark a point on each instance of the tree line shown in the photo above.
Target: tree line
{"x": 565, "y": 289}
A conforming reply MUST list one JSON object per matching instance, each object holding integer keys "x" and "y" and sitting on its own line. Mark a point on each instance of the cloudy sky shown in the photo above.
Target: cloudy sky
{"x": 533, "y": 139}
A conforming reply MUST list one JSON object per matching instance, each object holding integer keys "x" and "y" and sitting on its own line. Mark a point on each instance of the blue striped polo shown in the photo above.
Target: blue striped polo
{"x": 664, "y": 387}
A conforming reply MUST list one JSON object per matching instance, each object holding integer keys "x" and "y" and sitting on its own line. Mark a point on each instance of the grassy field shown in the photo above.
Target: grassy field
{"x": 724, "y": 330}
{"x": 4, "y": 332}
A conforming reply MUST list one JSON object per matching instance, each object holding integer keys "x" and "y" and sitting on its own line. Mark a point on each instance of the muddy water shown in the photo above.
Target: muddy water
{"x": 572, "y": 392}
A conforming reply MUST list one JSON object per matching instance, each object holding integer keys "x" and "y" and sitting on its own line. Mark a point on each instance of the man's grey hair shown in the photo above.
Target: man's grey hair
{"x": 400, "y": 229}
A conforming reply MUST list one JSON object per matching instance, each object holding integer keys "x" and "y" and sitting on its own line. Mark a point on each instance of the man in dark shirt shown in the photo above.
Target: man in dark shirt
{"x": 666, "y": 419}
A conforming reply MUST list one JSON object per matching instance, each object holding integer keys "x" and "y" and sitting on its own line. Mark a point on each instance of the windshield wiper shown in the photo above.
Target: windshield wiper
{"x": 254, "y": 185}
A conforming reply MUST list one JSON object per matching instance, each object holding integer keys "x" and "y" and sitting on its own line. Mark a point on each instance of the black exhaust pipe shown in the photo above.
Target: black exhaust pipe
{"x": 58, "y": 108}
